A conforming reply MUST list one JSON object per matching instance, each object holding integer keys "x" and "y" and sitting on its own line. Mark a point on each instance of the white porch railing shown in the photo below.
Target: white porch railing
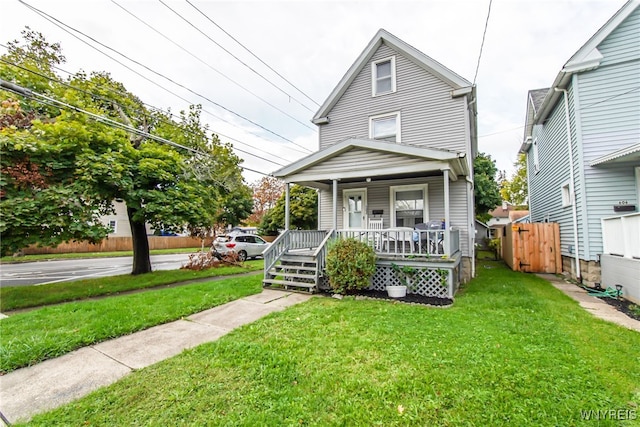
{"x": 291, "y": 240}
{"x": 621, "y": 235}
{"x": 405, "y": 242}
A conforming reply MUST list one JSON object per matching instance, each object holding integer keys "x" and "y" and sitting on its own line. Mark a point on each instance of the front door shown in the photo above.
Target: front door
{"x": 355, "y": 208}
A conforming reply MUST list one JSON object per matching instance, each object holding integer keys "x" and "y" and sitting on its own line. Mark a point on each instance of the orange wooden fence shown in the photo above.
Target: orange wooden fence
{"x": 114, "y": 244}
{"x": 532, "y": 248}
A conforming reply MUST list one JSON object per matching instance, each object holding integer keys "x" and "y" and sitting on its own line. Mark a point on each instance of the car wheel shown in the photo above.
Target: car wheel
{"x": 242, "y": 256}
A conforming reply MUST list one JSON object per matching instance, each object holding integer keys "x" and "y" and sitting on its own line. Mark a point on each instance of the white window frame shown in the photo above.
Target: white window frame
{"x": 113, "y": 225}
{"x": 374, "y": 76}
{"x": 392, "y": 198}
{"x": 345, "y": 205}
{"x": 398, "y": 118}
{"x": 536, "y": 159}
{"x": 566, "y": 192}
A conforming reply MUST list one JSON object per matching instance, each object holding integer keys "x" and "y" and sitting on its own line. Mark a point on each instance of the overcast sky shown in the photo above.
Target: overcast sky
{"x": 312, "y": 44}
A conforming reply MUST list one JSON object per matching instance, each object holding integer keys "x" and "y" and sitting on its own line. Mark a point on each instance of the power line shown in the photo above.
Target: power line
{"x": 610, "y": 98}
{"x": 486, "y": 24}
{"x": 210, "y": 66}
{"x": 60, "y": 25}
{"x": 234, "y": 56}
{"x": 253, "y": 54}
{"x": 140, "y": 111}
{"x": 46, "y": 100}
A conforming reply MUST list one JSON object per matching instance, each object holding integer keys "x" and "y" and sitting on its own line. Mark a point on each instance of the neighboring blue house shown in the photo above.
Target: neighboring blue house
{"x": 397, "y": 138}
{"x": 582, "y": 141}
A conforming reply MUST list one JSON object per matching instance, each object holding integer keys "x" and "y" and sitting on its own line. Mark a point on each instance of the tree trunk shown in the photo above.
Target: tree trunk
{"x": 141, "y": 260}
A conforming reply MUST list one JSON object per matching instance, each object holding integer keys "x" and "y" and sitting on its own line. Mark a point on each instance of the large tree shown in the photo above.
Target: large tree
{"x": 266, "y": 193}
{"x": 515, "y": 190}
{"x": 303, "y": 210}
{"x": 62, "y": 170}
{"x": 486, "y": 189}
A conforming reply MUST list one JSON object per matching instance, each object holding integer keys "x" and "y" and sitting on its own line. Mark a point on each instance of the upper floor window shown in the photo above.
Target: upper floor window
{"x": 383, "y": 76}
{"x": 385, "y": 127}
{"x": 567, "y": 195}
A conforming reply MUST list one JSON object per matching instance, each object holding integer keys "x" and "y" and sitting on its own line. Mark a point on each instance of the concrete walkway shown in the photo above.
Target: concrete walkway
{"x": 593, "y": 305}
{"x": 52, "y": 383}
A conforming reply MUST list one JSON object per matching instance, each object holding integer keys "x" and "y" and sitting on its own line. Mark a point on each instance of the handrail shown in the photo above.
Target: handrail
{"x": 273, "y": 253}
{"x": 320, "y": 254}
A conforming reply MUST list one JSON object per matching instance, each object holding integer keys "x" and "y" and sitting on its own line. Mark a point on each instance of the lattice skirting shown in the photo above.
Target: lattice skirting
{"x": 428, "y": 281}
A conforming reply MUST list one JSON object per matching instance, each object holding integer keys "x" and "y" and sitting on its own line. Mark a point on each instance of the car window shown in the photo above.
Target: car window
{"x": 241, "y": 239}
{"x": 260, "y": 240}
{"x": 223, "y": 239}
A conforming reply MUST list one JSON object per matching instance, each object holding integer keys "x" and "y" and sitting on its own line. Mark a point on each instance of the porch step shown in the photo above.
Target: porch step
{"x": 292, "y": 258}
{"x": 288, "y": 283}
{"x": 295, "y": 267}
{"x": 294, "y": 275}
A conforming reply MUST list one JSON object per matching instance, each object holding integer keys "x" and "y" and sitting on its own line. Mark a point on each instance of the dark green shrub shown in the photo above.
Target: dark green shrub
{"x": 350, "y": 265}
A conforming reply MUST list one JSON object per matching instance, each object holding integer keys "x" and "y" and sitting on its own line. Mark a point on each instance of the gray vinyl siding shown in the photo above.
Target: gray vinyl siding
{"x": 378, "y": 197}
{"x": 362, "y": 160}
{"x": 610, "y": 121}
{"x": 623, "y": 43}
{"x": 605, "y": 117}
{"x": 545, "y": 194}
{"x": 429, "y": 116}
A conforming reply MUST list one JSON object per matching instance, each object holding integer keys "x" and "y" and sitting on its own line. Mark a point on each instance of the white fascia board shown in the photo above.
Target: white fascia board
{"x": 349, "y": 174}
{"x": 374, "y": 145}
{"x": 590, "y": 61}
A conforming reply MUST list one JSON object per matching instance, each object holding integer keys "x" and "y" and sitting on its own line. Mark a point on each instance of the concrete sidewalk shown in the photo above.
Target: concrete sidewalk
{"x": 593, "y": 305}
{"x": 52, "y": 383}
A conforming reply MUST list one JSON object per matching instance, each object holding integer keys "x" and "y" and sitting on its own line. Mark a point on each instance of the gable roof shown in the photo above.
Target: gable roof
{"x": 459, "y": 85}
{"x": 439, "y": 159}
{"x": 534, "y": 101}
{"x": 586, "y": 58}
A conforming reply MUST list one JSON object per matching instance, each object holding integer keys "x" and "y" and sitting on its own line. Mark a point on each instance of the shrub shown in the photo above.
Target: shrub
{"x": 350, "y": 265}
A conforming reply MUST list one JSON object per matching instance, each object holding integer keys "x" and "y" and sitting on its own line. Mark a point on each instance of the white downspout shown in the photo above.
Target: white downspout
{"x": 472, "y": 216}
{"x": 573, "y": 184}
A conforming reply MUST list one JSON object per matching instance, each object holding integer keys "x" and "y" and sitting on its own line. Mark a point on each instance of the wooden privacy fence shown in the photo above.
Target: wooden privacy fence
{"x": 114, "y": 244}
{"x": 532, "y": 248}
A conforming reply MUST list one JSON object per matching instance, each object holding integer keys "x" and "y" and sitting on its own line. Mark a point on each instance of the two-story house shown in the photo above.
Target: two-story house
{"x": 397, "y": 138}
{"x": 582, "y": 141}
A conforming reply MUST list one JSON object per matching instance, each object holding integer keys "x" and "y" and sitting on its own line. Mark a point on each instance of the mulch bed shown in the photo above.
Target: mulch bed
{"x": 409, "y": 299}
{"x": 624, "y": 306}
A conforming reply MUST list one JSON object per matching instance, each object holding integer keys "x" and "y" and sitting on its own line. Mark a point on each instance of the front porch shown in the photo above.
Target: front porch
{"x": 296, "y": 259}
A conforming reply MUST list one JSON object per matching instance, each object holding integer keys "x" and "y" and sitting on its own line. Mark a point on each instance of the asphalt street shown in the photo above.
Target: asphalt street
{"x": 44, "y": 272}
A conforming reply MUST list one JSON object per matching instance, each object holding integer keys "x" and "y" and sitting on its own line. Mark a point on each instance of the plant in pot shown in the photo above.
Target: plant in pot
{"x": 350, "y": 265}
{"x": 405, "y": 274}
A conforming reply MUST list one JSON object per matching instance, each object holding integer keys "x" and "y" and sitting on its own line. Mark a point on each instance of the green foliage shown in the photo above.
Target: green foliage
{"x": 350, "y": 265}
{"x": 268, "y": 226}
{"x": 515, "y": 190}
{"x": 405, "y": 274}
{"x": 303, "y": 209}
{"x": 61, "y": 170}
{"x": 486, "y": 189}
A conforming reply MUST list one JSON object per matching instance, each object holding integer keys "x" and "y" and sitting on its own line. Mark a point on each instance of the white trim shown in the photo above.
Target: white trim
{"x": 114, "y": 227}
{"x": 398, "y": 118}
{"x": 392, "y": 200}
{"x": 637, "y": 169}
{"x": 566, "y": 193}
{"x": 345, "y": 206}
{"x": 536, "y": 156}
{"x": 374, "y": 76}
{"x": 622, "y": 155}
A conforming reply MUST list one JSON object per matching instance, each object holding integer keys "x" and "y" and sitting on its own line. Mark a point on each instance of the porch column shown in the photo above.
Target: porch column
{"x": 286, "y": 207}
{"x": 447, "y": 234}
{"x": 335, "y": 204}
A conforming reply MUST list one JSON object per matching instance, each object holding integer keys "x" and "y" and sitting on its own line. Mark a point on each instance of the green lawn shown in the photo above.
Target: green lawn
{"x": 48, "y": 332}
{"x": 16, "y": 297}
{"x": 512, "y": 350}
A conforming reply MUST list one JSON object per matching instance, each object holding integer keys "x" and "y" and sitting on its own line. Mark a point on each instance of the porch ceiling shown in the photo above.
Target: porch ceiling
{"x": 354, "y": 160}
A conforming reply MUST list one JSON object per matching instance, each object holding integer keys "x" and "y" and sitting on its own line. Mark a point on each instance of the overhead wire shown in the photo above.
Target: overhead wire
{"x": 234, "y": 56}
{"x": 210, "y": 66}
{"x": 60, "y": 25}
{"x": 253, "y": 54}
{"x": 47, "y": 100}
{"x": 484, "y": 34}
{"x": 92, "y": 94}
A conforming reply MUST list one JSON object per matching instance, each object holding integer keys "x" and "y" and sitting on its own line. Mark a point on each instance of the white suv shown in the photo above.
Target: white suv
{"x": 245, "y": 245}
